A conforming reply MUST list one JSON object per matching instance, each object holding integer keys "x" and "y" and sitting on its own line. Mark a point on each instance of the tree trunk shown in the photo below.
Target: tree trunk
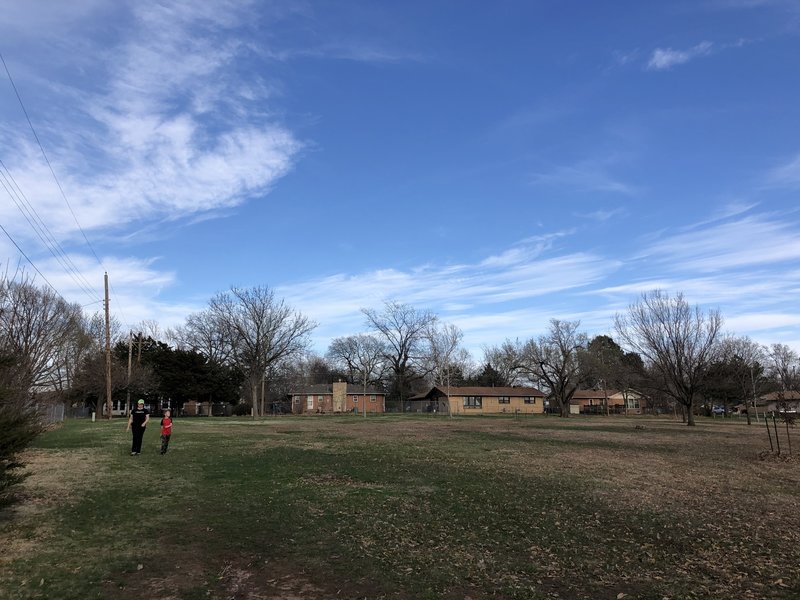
{"x": 690, "y": 415}
{"x": 254, "y": 397}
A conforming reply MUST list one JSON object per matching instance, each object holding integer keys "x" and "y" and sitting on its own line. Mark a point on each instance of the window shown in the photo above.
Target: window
{"x": 529, "y": 400}
{"x": 320, "y": 399}
{"x": 503, "y": 400}
{"x": 373, "y": 398}
{"x": 632, "y": 403}
{"x": 310, "y": 402}
{"x": 355, "y": 398}
{"x": 473, "y": 402}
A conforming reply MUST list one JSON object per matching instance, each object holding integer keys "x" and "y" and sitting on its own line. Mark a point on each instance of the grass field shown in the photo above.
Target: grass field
{"x": 406, "y": 507}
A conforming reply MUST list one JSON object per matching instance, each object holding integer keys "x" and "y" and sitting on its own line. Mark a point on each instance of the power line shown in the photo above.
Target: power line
{"x": 52, "y": 172}
{"x": 47, "y": 160}
{"x": 40, "y": 228}
{"x": 21, "y": 251}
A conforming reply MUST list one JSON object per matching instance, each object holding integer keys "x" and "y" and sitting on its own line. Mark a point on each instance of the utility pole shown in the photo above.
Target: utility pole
{"x": 130, "y": 357}
{"x": 108, "y": 351}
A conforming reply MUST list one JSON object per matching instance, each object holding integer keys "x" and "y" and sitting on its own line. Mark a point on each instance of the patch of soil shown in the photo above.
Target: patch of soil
{"x": 234, "y": 578}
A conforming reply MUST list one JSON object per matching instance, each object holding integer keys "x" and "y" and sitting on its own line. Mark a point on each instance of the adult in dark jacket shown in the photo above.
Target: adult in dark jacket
{"x": 137, "y": 422}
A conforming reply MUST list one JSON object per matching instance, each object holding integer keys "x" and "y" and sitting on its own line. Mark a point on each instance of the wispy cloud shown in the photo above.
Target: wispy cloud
{"x": 351, "y": 51}
{"x": 602, "y": 214}
{"x": 176, "y": 131}
{"x": 625, "y": 58}
{"x": 751, "y": 4}
{"x": 786, "y": 175}
{"x": 744, "y": 242}
{"x": 464, "y": 293}
{"x": 588, "y": 175}
{"x": 666, "y": 58}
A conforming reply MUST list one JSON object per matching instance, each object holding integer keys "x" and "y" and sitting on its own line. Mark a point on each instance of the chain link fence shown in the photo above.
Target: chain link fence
{"x": 51, "y": 413}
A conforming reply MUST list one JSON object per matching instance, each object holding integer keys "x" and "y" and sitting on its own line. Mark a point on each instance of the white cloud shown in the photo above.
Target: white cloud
{"x": 175, "y": 132}
{"x": 765, "y": 321}
{"x": 624, "y": 58}
{"x": 587, "y": 175}
{"x": 666, "y": 58}
{"x": 746, "y": 242}
{"x": 602, "y": 214}
{"x": 786, "y": 175}
{"x": 492, "y": 291}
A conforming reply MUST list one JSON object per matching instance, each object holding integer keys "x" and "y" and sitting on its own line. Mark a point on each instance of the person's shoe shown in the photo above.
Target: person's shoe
{"x": 133, "y": 453}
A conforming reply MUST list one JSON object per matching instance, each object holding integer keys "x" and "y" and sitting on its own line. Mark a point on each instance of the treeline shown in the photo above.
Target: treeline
{"x": 249, "y": 347}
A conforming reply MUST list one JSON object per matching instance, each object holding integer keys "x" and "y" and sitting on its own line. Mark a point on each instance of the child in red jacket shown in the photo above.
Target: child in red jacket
{"x": 166, "y": 430}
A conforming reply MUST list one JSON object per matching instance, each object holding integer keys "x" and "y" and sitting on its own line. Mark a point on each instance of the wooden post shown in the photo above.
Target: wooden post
{"x": 108, "y": 351}
{"x": 788, "y": 439}
{"x": 130, "y": 357}
{"x": 769, "y": 434}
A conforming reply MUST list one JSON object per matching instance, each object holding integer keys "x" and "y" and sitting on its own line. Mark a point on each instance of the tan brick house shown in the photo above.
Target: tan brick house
{"x": 593, "y": 402}
{"x": 475, "y": 400}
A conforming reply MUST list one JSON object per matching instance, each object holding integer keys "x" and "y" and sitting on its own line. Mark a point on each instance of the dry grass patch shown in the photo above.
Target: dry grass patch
{"x": 415, "y": 507}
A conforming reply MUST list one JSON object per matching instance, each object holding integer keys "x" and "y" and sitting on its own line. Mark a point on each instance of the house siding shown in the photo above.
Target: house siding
{"x": 490, "y": 405}
{"x": 336, "y": 398}
{"x": 436, "y": 401}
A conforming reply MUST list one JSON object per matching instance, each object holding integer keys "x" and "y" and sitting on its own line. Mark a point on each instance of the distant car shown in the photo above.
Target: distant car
{"x": 718, "y": 410}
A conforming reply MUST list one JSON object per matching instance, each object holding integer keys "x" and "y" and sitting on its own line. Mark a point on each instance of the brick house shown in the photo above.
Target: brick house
{"x": 337, "y": 397}
{"x": 788, "y": 401}
{"x": 593, "y": 402}
{"x": 475, "y": 400}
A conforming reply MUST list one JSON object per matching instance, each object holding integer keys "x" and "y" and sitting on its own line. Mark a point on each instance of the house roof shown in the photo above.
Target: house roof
{"x": 787, "y": 395}
{"x": 593, "y": 394}
{"x": 484, "y": 391}
{"x": 319, "y": 389}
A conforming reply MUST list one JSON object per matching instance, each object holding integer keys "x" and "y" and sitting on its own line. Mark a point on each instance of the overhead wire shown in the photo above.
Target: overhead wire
{"x": 47, "y": 160}
{"x": 21, "y": 251}
{"x": 58, "y": 184}
{"x": 17, "y": 196}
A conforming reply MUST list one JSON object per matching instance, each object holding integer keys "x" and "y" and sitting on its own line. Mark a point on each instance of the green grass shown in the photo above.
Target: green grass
{"x": 406, "y": 507}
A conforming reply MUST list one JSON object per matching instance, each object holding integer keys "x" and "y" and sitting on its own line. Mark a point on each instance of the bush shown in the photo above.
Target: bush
{"x": 19, "y": 426}
{"x": 242, "y": 410}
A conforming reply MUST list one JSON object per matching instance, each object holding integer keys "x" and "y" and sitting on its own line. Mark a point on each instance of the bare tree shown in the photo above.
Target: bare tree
{"x": 80, "y": 343}
{"x": 402, "y": 327}
{"x": 503, "y": 360}
{"x": 36, "y": 327}
{"x": 783, "y": 363}
{"x": 262, "y": 331}
{"x": 745, "y": 360}
{"x": 678, "y": 342}
{"x": 556, "y": 360}
{"x": 364, "y": 358}
{"x": 203, "y": 332}
{"x": 349, "y": 354}
{"x": 150, "y": 328}
{"x": 444, "y": 354}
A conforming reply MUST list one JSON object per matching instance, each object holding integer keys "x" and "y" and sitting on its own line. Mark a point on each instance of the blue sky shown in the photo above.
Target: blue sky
{"x": 498, "y": 163}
